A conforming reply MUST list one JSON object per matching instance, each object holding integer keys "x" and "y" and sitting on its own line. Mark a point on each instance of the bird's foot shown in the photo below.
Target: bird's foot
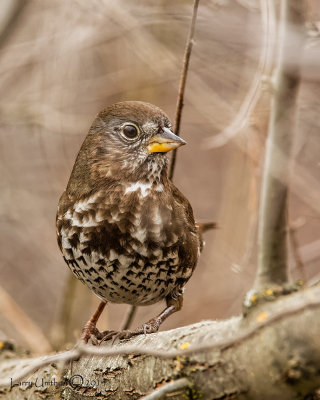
{"x": 151, "y": 326}
{"x": 125, "y": 334}
{"x": 91, "y": 332}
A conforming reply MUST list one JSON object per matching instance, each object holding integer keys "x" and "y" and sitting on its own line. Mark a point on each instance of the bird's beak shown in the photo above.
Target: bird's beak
{"x": 164, "y": 141}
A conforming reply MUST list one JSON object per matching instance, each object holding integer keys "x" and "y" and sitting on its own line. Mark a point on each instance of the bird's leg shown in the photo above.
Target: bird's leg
{"x": 90, "y": 328}
{"x": 174, "y": 304}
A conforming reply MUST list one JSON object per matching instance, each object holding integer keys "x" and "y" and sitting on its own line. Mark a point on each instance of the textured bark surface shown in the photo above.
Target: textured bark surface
{"x": 271, "y": 353}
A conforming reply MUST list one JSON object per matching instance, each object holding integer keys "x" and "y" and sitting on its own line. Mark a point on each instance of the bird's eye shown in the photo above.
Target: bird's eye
{"x": 130, "y": 131}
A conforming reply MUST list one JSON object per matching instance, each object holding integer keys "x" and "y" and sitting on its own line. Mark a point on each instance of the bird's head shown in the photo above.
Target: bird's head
{"x": 127, "y": 141}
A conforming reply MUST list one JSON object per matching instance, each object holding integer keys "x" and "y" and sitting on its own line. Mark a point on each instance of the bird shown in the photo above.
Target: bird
{"x": 124, "y": 229}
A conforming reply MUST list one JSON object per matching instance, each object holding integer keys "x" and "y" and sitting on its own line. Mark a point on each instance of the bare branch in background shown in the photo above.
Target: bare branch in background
{"x": 29, "y": 331}
{"x": 242, "y": 119}
{"x": 129, "y": 317}
{"x": 10, "y": 12}
{"x": 183, "y": 80}
{"x": 272, "y": 257}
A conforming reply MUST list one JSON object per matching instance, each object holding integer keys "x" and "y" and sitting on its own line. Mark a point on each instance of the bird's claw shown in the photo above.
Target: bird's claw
{"x": 114, "y": 335}
{"x": 90, "y": 332}
{"x": 151, "y": 326}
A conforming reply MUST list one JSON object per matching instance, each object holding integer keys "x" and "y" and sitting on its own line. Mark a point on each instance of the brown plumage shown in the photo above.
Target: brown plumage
{"x": 123, "y": 228}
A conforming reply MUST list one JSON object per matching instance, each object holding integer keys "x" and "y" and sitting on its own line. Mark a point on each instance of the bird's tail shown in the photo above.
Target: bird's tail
{"x": 203, "y": 227}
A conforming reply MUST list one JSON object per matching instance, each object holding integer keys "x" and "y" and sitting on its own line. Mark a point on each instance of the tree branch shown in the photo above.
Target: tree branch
{"x": 28, "y": 330}
{"x": 242, "y": 118}
{"x": 183, "y": 80}
{"x": 11, "y": 10}
{"x": 128, "y": 318}
{"x": 272, "y": 258}
{"x": 218, "y": 358}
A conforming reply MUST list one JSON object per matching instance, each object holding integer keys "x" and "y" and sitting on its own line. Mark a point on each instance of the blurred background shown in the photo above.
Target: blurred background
{"x": 62, "y": 62}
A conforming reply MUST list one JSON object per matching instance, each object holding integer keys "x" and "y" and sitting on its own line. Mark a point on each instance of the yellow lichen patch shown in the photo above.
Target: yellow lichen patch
{"x": 1, "y": 344}
{"x": 268, "y": 292}
{"x": 253, "y": 298}
{"x": 185, "y": 345}
{"x": 262, "y": 317}
{"x": 178, "y": 365}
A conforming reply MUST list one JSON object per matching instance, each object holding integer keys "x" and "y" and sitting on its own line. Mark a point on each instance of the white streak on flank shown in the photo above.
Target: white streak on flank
{"x": 143, "y": 187}
{"x": 65, "y": 242}
{"x": 68, "y": 215}
{"x": 85, "y": 205}
{"x": 86, "y": 222}
{"x": 76, "y": 222}
{"x": 80, "y": 207}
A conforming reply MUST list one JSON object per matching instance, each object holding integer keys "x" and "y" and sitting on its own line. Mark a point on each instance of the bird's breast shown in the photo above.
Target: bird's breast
{"x": 125, "y": 244}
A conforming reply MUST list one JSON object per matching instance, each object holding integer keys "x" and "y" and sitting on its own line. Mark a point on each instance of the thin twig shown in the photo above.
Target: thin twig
{"x": 183, "y": 80}
{"x": 168, "y": 388}
{"x": 129, "y": 317}
{"x": 211, "y": 345}
{"x": 66, "y": 309}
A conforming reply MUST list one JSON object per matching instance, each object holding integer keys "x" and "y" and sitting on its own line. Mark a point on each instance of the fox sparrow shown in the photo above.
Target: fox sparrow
{"x": 123, "y": 228}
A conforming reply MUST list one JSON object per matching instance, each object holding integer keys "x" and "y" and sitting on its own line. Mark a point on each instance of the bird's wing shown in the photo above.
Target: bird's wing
{"x": 200, "y": 227}
{"x": 181, "y": 200}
